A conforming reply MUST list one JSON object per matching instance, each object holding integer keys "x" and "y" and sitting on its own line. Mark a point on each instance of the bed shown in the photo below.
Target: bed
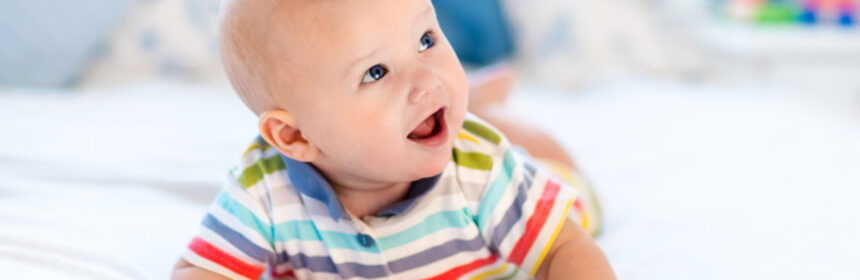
{"x": 697, "y": 182}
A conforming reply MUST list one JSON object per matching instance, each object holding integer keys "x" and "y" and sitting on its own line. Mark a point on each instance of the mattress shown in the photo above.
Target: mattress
{"x": 696, "y": 181}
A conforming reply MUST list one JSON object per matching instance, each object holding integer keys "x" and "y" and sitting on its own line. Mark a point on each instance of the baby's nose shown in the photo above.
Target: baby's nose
{"x": 424, "y": 82}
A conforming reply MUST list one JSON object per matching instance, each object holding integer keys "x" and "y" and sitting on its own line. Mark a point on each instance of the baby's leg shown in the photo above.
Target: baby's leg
{"x": 487, "y": 97}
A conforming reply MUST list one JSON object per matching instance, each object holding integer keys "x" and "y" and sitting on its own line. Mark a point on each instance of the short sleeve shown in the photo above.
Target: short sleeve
{"x": 522, "y": 208}
{"x": 235, "y": 237}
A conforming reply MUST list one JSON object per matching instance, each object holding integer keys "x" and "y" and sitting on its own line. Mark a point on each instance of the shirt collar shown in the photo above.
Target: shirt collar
{"x": 308, "y": 181}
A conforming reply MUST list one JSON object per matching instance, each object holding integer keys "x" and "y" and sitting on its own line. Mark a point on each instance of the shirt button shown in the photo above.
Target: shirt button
{"x": 365, "y": 240}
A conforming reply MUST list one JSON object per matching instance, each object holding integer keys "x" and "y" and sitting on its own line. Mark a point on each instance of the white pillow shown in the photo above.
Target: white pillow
{"x": 48, "y": 43}
{"x": 571, "y": 43}
{"x": 162, "y": 39}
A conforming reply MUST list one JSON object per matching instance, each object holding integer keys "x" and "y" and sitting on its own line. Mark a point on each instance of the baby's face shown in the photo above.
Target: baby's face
{"x": 375, "y": 86}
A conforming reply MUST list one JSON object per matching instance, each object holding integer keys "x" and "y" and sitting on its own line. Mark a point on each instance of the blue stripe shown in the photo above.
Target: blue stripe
{"x": 324, "y": 264}
{"x": 436, "y": 253}
{"x": 350, "y": 270}
{"x": 307, "y": 180}
{"x": 286, "y": 231}
{"x": 530, "y": 168}
{"x": 244, "y": 215}
{"x": 515, "y": 211}
{"x": 496, "y": 190}
{"x": 297, "y": 230}
{"x": 433, "y": 223}
{"x": 417, "y": 190}
{"x": 307, "y": 231}
{"x": 237, "y": 239}
{"x": 315, "y": 264}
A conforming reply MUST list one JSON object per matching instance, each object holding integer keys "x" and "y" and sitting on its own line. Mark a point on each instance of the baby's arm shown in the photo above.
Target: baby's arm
{"x": 574, "y": 255}
{"x": 186, "y": 270}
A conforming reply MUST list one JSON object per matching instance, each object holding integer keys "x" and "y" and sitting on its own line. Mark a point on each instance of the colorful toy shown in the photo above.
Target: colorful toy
{"x": 809, "y": 14}
{"x": 847, "y": 13}
{"x": 806, "y": 12}
{"x": 777, "y": 11}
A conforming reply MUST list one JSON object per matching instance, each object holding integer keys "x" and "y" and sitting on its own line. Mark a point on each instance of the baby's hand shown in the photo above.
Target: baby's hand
{"x": 186, "y": 270}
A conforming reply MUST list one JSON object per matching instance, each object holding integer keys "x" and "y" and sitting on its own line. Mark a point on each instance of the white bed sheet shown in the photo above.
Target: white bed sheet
{"x": 696, "y": 182}
{"x": 111, "y": 184}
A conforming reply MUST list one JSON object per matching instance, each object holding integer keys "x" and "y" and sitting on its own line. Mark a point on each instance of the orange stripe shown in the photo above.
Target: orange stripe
{"x": 212, "y": 253}
{"x": 535, "y": 222}
{"x": 459, "y": 271}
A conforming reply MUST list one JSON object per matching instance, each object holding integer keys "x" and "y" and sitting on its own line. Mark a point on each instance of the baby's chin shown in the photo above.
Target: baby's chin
{"x": 433, "y": 166}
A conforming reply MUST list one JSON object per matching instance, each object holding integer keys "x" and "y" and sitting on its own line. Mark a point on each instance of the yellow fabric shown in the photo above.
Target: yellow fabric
{"x": 586, "y": 209}
{"x": 491, "y": 274}
{"x": 464, "y": 136}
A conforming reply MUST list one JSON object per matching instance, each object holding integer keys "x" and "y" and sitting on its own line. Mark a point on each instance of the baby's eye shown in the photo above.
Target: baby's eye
{"x": 426, "y": 42}
{"x": 373, "y": 74}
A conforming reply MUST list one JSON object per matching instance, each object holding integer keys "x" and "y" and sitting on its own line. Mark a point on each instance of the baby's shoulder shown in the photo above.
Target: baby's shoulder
{"x": 479, "y": 154}
{"x": 261, "y": 171}
{"x": 258, "y": 160}
{"x": 478, "y": 144}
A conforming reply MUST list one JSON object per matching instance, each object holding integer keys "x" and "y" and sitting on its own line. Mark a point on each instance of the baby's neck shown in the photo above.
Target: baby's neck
{"x": 361, "y": 202}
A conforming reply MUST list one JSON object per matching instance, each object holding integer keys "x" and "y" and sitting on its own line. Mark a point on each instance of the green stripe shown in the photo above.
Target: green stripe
{"x": 473, "y": 160}
{"x": 431, "y": 224}
{"x": 598, "y": 213}
{"x": 482, "y": 131}
{"x": 245, "y": 216}
{"x": 259, "y": 143}
{"x": 511, "y": 276}
{"x": 250, "y": 176}
{"x": 254, "y": 173}
{"x": 307, "y": 231}
{"x": 496, "y": 190}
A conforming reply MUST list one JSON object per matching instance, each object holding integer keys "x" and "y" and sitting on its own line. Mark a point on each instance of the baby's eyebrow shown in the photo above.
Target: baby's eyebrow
{"x": 354, "y": 63}
{"x": 425, "y": 14}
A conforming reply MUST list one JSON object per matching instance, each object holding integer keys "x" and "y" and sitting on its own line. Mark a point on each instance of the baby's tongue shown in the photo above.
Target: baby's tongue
{"x": 424, "y": 129}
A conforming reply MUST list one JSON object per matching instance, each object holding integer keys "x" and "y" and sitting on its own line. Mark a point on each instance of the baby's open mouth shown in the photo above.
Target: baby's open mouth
{"x": 430, "y": 127}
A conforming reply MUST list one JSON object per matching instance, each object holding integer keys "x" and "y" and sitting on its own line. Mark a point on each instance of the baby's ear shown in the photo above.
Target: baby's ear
{"x": 279, "y": 128}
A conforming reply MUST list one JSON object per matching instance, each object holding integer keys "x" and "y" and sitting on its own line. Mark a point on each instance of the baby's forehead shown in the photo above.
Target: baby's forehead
{"x": 310, "y": 36}
{"x": 323, "y": 31}
{"x": 344, "y": 28}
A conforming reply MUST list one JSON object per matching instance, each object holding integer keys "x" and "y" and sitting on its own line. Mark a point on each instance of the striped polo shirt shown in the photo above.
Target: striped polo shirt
{"x": 491, "y": 214}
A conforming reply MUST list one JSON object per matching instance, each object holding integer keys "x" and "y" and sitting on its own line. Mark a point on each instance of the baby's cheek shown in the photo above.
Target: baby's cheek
{"x": 461, "y": 99}
{"x": 459, "y": 82}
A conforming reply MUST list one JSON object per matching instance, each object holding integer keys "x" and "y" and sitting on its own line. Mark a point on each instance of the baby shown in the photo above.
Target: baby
{"x": 368, "y": 166}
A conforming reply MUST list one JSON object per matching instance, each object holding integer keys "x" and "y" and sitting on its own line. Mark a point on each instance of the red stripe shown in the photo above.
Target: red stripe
{"x": 578, "y": 206}
{"x": 212, "y": 253}
{"x": 284, "y": 274}
{"x": 535, "y": 222}
{"x": 459, "y": 271}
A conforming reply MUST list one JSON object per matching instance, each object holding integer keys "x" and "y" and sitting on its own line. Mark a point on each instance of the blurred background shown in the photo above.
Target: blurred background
{"x": 722, "y": 136}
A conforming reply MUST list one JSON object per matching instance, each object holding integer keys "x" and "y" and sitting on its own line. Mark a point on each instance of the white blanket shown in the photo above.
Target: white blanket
{"x": 696, "y": 182}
